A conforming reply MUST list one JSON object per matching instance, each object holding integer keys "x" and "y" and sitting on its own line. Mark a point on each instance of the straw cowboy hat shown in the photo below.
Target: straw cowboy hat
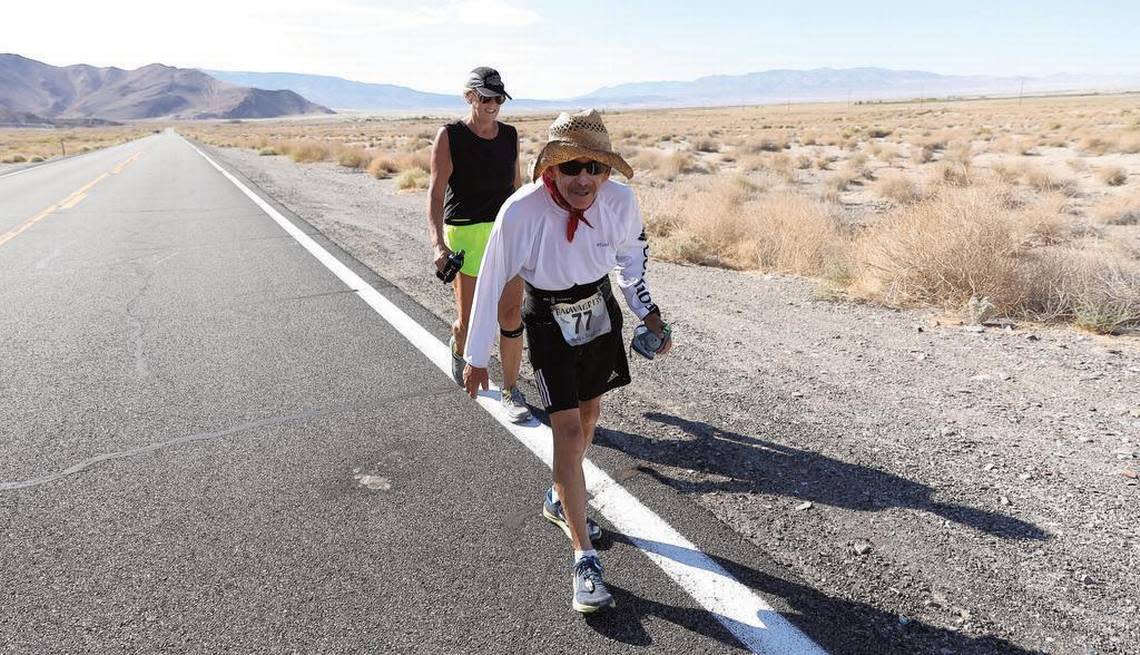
{"x": 578, "y": 135}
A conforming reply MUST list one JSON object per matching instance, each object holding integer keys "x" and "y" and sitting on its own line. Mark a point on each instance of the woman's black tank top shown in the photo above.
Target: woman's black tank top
{"x": 482, "y": 174}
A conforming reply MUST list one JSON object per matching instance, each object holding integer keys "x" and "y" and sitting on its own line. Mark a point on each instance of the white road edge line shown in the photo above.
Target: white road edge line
{"x": 742, "y": 612}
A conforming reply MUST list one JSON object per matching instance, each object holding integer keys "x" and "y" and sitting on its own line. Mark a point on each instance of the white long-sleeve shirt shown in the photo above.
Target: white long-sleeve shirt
{"x": 529, "y": 239}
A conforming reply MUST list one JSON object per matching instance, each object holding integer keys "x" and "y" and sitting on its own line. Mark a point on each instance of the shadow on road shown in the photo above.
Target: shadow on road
{"x": 759, "y": 466}
{"x": 839, "y": 626}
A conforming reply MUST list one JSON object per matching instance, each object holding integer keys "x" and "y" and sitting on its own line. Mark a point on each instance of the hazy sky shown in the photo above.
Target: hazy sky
{"x": 549, "y": 49}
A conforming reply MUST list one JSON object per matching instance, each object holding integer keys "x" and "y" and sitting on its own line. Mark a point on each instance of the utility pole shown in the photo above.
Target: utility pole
{"x": 1021, "y": 92}
{"x": 62, "y": 148}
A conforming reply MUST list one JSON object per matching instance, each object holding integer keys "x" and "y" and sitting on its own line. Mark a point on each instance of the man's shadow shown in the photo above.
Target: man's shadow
{"x": 755, "y": 465}
{"x": 838, "y": 626}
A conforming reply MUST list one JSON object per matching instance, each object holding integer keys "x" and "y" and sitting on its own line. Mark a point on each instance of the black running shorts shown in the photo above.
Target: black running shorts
{"x": 565, "y": 374}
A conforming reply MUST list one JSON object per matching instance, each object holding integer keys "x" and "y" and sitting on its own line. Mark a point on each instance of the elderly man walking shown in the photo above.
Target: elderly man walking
{"x": 563, "y": 233}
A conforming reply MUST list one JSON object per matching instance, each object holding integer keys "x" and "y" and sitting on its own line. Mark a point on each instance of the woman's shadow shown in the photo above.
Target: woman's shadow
{"x": 756, "y": 465}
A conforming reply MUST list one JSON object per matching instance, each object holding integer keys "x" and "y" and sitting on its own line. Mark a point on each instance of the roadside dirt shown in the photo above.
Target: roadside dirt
{"x": 966, "y": 491}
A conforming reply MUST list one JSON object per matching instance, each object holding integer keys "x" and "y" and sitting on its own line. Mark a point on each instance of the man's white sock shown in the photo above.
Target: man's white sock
{"x": 554, "y": 493}
{"x": 579, "y": 554}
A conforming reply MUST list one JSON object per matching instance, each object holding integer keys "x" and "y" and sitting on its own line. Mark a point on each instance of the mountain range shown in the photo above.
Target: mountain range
{"x": 773, "y": 86}
{"x": 34, "y": 92}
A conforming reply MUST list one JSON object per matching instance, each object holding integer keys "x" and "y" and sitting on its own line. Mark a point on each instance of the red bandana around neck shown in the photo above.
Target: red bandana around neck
{"x": 575, "y": 214}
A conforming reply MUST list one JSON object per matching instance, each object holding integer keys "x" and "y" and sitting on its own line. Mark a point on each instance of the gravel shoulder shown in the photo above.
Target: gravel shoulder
{"x": 971, "y": 488}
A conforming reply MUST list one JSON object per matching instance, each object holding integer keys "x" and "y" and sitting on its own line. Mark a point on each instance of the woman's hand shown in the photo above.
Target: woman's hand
{"x": 441, "y": 254}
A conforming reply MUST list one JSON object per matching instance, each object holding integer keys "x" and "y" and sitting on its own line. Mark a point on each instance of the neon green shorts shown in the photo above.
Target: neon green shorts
{"x": 472, "y": 239}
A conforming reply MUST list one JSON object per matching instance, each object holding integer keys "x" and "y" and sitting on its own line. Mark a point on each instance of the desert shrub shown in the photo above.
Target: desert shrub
{"x": 707, "y": 145}
{"x": 943, "y": 250}
{"x": 725, "y": 224}
{"x": 676, "y": 163}
{"x": 899, "y": 188}
{"x": 1113, "y": 175}
{"x": 884, "y": 152}
{"x": 382, "y": 167}
{"x": 1005, "y": 172}
{"x": 353, "y": 158}
{"x": 857, "y": 169}
{"x": 1108, "y": 299}
{"x": 921, "y": 154}
{"x": 838, "y": 181}
{"x": 645, "y": 159}
{"x": 36, "y": 159}
{"x": 782, "y": 165}
{"x": 1043, "y": 180}
{"x": 1077, "y": 165}
{"x": 1124, "y": 210}
{"x": 308, "y": 151}
{"x": 1096, "y": 145}
{"x": 766, "y": 144}
{"x": 411, "y": 179}
{"x": 266, "y": 152}
{"x": 1046, "y": 221}
{"x": 955, "y": 174}
{"x": 418, "y": 160}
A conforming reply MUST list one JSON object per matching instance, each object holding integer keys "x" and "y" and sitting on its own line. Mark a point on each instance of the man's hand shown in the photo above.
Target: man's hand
{"x": 474, "y": 378}
{"x": 657, "y": 326}
{"x": 441, "y": 254}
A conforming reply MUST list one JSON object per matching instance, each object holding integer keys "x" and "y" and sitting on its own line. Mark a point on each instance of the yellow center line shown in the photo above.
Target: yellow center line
{"x": 123, "y": 164}
{"x": 70, "y": 201}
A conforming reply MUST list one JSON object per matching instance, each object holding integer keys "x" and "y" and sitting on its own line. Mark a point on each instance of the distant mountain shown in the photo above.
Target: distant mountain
{"x": 824, "y": 84}
{"x": 767, "y": 87}
{"x": 340, "y": 93}
{"x": 9, "y": 118}
{"x": 29, "y": 87}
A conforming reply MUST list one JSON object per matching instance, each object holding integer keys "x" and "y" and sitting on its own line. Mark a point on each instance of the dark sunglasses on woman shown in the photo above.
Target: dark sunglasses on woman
{"x": 574, "y": 167}
{"x": 498, "y": 99}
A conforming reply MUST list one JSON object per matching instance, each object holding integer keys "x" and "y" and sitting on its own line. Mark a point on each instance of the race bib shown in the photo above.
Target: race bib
{"x": 583, "y": 321}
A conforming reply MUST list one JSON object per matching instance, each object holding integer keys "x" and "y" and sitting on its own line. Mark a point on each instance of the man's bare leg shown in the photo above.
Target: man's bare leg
{"x": 588, "y": 411}
{"x": 569, "y": 481}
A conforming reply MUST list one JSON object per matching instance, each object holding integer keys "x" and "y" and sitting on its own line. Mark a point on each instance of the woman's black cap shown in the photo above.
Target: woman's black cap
{"x": 486, "y": 82}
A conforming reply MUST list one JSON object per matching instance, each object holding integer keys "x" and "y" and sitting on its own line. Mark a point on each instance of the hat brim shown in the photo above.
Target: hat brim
{"x": 557, "y": 152}
{"x": 491, "y": 93}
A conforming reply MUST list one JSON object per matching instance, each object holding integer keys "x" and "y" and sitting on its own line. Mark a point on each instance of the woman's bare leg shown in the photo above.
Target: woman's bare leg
{"x": 510, "y": 318}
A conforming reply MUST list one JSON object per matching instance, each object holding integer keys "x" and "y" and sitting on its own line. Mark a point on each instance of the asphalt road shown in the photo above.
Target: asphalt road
{"x": 209, "y": 444}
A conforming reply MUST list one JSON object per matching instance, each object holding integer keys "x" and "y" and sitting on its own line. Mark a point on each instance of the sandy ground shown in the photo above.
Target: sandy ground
{"x": 967, "y": 491}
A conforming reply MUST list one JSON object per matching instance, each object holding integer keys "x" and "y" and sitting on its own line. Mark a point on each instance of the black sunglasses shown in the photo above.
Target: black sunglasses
{"x": 498, "y": 99}
{"x": 592, "y": 167}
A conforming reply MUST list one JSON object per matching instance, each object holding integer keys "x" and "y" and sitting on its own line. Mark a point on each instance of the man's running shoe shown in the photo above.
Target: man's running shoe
{"x": 590, "y": 592}
{"x": 552, "y": 510}
{"x": 514, "y": 405}
{"x": 457, "y": 363}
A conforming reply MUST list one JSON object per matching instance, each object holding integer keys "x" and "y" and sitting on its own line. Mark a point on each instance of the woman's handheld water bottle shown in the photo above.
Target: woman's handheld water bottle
{"x": 451, "y": 267}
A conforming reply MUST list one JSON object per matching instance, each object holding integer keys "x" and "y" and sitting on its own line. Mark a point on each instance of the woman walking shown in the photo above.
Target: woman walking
{"x": 474, "y": 169}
